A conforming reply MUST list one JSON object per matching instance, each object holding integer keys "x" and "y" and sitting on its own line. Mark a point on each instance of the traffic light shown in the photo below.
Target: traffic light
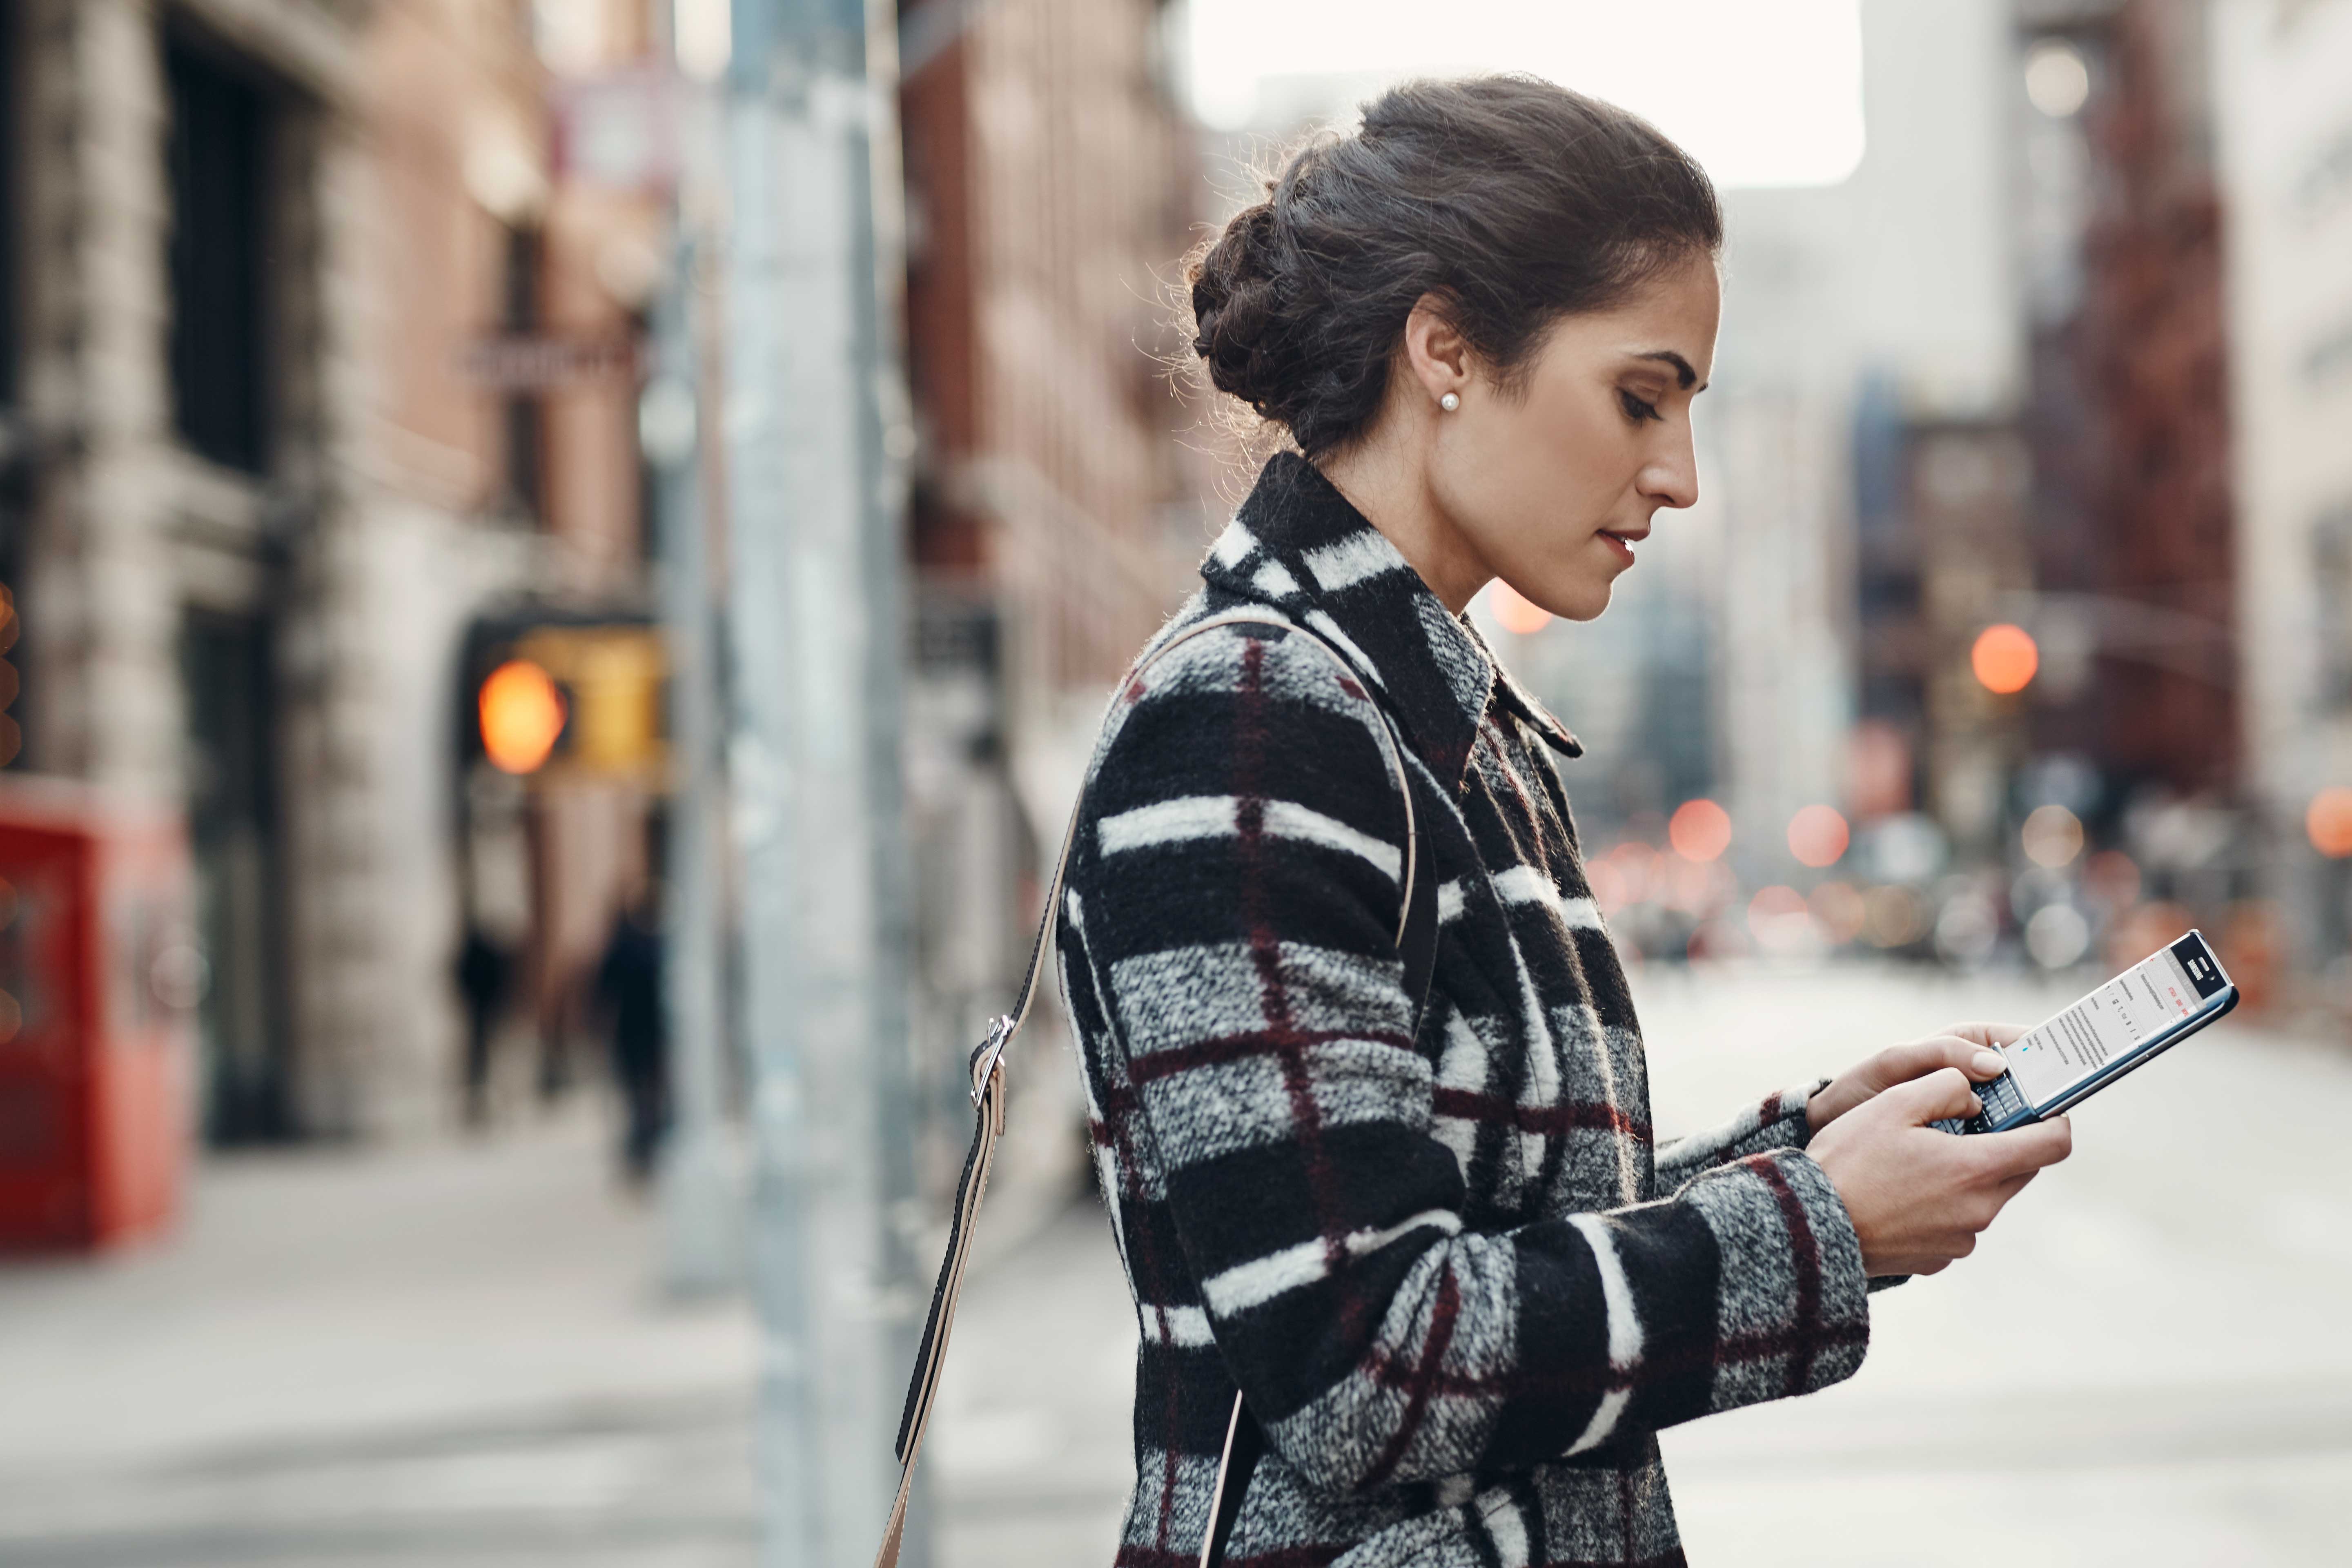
{"x": 523, "y": 715}
{"x": 581, "y": 700}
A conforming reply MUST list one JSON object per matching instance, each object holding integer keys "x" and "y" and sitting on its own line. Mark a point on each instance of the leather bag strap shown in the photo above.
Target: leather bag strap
{"x": 1416, "y": 940}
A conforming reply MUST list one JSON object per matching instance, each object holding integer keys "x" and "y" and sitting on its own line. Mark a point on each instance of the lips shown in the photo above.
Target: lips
{"x": 1624, "y": 540}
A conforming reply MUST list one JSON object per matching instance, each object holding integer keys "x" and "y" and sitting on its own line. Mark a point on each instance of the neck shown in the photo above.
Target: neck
{"x": 1385, "y": 477}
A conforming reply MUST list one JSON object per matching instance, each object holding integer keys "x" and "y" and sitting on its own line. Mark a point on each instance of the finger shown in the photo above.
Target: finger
{"x": 1988, "y": 1034}
{"x": 1901, "y": 1064}
{"x": 1941, "y": 1093}
{"x": 2028, "y": 1148}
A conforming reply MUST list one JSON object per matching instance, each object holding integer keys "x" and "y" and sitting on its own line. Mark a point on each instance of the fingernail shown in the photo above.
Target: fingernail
{"x": 1989, "y": 1064}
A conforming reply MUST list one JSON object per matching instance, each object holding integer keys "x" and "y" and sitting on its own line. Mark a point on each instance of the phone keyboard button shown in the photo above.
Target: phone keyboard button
{"x": 2002, "y": 1100}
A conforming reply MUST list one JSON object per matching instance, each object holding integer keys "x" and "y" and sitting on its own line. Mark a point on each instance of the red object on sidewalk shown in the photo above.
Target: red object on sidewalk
{"x": 99, "y": 975}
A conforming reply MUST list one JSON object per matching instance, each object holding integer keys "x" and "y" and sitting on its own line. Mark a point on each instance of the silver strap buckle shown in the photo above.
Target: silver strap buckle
{"x": 991, "y": 1052}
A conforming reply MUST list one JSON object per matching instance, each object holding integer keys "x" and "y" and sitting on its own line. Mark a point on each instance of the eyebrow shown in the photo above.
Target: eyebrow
{"x": 1682, "y": 366}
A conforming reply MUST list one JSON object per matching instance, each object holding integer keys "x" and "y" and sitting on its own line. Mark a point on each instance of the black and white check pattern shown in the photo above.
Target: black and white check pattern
{"x": 1456, "y": 1279}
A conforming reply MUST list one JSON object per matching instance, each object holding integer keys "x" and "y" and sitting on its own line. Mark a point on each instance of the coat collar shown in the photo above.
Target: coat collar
{"x": 1300, "y": 547}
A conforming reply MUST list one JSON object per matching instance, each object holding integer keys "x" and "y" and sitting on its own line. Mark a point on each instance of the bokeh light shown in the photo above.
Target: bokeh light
{"x": 1517, "y": 614}
{"x": 1699, "y": 830}
{"x": 2057, "y": 78}
{"x": 2329, "y": 822}
{"x": 2052, "y": 836}
{"x": 1781, "y": 920}
{"x": 1893, "y": 917}
{"x": 1636, "y": 865}
{"x": 1841, "y": 910}
{"x": 1967, "y": 928}
{"x": 2113, "y": 877}
{"x": 522, "y": 715}
{"x": 1817, "y": 837}
{"x": 2004, "y": 659}
{"x": 1697, "y": 887}
{"x": 1609, "y": 884}
{"x": 2057, "y": 936}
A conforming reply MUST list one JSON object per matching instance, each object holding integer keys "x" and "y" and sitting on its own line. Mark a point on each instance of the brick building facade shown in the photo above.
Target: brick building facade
{"x": 256, "y": 500}
{"x": 2131, "y": 411}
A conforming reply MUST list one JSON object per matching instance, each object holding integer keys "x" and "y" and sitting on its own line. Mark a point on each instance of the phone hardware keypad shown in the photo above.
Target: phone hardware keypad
{"x": 2001, "y": 1101}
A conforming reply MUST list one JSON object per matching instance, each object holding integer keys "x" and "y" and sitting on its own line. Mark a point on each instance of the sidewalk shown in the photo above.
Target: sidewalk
{"x": 452, "y": 1355}
{"x": 456, "y": 1356}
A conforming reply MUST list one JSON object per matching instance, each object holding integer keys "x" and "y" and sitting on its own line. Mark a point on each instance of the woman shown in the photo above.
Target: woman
{"x": 1431, "y": 1244}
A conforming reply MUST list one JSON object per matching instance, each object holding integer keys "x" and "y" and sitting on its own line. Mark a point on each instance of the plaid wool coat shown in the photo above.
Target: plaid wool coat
{"x": 1458, "y": 1280}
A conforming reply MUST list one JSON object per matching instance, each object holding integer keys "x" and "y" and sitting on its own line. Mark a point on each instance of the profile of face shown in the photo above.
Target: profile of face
{"x": 1549, "y": 480}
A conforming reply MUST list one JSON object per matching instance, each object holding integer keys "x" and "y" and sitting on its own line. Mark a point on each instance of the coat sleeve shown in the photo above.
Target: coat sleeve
{"x": 1777, "y": 1122}
{"x": 1237, "y": 884}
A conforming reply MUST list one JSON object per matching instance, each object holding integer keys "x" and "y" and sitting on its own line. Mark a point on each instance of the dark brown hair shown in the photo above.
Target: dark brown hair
{"x": 1514, "y": 201}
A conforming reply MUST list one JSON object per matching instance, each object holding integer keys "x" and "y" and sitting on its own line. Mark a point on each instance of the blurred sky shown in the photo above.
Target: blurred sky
{"x": 1763, "y": 94}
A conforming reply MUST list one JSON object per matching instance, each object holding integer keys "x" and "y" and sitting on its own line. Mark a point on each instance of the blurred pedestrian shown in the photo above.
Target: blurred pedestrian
{"x": 484, "y": 979}
{"x": 628, "y": 990}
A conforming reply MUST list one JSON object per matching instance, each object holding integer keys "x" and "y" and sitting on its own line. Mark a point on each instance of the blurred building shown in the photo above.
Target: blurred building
{"x": 1870, "y": 362}
{"x": 267, "y": 462}
{"x": 2283, "y": 111}
{"x": 2128, "y": 414}
{"x": 1055, "y": 522}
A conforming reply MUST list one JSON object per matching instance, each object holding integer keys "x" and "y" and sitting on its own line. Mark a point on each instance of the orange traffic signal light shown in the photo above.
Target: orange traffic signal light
{"x": 2005, "y": 658}
{"x": 522, "y": 715}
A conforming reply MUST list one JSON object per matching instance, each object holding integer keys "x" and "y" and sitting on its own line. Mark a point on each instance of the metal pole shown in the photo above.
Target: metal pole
{"x": 814, "y": 630}
{"x": 701, "y": 1206}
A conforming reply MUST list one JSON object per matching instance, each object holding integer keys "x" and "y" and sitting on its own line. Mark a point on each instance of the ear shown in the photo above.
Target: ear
{"x": 1439, "y": 358}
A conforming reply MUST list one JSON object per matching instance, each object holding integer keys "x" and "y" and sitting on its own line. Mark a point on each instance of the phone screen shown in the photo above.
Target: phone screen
{"x": 2118, "y": 1018}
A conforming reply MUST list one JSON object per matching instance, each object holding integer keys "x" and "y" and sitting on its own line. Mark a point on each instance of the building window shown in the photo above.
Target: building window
{"x": 233, "y": 831}
{"x": 219, "y": 167}
{"x": 526, "y": 423}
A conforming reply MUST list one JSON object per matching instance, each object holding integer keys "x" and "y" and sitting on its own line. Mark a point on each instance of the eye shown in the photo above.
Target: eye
{"x": 1636, "y": 409}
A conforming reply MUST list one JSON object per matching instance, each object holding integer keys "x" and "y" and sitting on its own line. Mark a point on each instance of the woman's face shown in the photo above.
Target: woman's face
{"x": 1551, "y": 487}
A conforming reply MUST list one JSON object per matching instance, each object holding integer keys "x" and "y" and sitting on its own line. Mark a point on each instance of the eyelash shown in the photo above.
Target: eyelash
{"x": 1636, "y": 410}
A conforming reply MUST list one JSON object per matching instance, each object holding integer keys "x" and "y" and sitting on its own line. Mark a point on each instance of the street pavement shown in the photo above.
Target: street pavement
{"x": 452, "y": 1355}
{"x": 458, "y": 1356}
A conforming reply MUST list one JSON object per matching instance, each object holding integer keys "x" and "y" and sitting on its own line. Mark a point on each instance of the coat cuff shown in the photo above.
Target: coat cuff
{"x": 1792, "y": 1308}
{"x": 1780, "y": 1123}
{"x": 1792, "y": 1127}
{"x": 1777, "y": 1121}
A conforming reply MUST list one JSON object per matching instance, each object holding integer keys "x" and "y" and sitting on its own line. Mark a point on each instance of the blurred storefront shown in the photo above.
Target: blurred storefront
{"x": 277, "y": 265}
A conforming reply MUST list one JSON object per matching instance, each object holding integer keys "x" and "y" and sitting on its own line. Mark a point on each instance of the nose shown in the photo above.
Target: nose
{"x": 1670, "y": 476}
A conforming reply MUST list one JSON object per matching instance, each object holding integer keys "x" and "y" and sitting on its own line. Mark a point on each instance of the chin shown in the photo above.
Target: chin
{"x": 1586, "y": 603}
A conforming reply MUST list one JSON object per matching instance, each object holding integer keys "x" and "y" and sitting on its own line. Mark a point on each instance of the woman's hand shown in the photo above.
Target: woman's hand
{"x": 1917, "y": 1196}
{"x": 1967, "y": 1047}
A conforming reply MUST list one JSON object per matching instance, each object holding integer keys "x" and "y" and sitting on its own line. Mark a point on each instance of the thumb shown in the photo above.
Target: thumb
{"x": 1942, "y": 1093}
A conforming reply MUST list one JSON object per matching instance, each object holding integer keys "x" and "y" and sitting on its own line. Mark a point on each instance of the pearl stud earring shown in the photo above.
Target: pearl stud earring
{"x": 1450, "y": 402}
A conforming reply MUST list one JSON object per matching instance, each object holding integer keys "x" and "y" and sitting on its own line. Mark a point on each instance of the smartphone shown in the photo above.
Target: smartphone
{"x": 2132, "y": 1020}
